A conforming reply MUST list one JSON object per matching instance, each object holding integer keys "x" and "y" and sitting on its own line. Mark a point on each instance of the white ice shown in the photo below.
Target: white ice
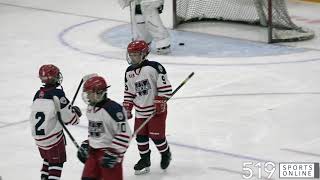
{"x": 234, "y": 110}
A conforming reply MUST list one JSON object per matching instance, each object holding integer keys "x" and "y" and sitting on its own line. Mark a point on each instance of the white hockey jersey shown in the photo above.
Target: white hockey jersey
{"x": 143, "y": 83}
{"x": 108, "y": 127}
{"x": 45, "y": 128}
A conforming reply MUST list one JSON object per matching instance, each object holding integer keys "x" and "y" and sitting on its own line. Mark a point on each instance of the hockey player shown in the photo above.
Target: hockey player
{"x": 109, "y": 133}
{"x": 148, "y": 24}
{"x": 147, "y": 88}
{"x": 46, "y": 130}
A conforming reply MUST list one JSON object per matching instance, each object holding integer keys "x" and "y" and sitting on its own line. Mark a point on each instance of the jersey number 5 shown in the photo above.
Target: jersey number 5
{"x": 41, "y": 117}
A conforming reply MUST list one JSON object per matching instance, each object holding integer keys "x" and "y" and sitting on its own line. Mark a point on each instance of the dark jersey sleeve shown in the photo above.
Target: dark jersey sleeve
{"x": 164, "y": 87}
{"x": 48, "y": 93}
{"x": 115, "y": 110}
{"x": 157, "y": 66}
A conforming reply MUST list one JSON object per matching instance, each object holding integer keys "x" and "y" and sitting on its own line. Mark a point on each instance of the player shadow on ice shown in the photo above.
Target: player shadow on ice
{"x": 202, "y": 45}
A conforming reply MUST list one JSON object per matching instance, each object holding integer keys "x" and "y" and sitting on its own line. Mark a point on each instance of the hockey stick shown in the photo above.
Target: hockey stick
{"x": 151, "y": 116}
{"x": 76, "y": 94}
{"x": 85, "y": 78}
{"x": 57, "y": 105}
{"x": 132, "y": 15}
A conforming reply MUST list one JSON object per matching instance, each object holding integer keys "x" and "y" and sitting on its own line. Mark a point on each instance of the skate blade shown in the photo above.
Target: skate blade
{"x": 164, "y": 51}
{"x": 143, "y": 171}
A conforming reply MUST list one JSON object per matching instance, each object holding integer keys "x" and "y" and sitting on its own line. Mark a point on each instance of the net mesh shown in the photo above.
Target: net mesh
{"x": 245, "y": 11}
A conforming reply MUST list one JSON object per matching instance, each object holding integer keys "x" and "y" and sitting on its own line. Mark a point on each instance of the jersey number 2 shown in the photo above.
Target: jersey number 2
{"x": 41, "y": 117}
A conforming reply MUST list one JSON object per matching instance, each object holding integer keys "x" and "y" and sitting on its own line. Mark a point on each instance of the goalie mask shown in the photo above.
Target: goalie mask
{"x": 94, "y": 90}
{"x": 137, "y": 51}
{"x": 50, "y": 75}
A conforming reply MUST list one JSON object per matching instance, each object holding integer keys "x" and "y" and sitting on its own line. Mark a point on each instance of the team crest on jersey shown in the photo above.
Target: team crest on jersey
{"x": 160, "y": 68}
{"x": 131, "y": 75}
{"x": 142, "y": 87}
{"x": 120, "y": 115}
{"x": 95, "y": 128}
{"x": 63, "y": 100}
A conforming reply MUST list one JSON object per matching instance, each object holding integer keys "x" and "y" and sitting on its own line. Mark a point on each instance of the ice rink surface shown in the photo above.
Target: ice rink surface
{"x": 248, "y": 101}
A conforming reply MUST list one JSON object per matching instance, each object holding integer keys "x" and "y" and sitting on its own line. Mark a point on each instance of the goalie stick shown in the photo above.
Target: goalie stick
{"x": 151, "y": 116}
{"x": 132, "y": 18}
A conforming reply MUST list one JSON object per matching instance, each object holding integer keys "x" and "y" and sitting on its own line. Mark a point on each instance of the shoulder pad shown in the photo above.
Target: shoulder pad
{"x": 132, "y": 67}
{"x": 115, "y": 111}
{"x": 44, "y": 93}
{"x": 49, "y": 93}
{"x": 157, "y": 66}
{"x": 57, "y": 92}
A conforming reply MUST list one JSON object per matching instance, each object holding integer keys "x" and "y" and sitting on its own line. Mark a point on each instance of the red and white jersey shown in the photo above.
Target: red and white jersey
{"x": 45, "y": 128}
{"x": 142, "y": 83}
{"x": 108, "y": 127}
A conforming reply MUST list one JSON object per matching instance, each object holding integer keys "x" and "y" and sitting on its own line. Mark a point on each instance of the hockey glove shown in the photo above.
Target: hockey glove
{"x": 83, "y": 151}
{"x": 76, "y": 110}
{"x": 109, "y": 160}
{"x": 160, "y": 104}
{"x": 128, "y": 106}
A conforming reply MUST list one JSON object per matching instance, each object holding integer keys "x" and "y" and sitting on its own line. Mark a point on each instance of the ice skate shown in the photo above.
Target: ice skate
{"x": 165, "y": 159}
{"x": 143, "y": 165}
{"x": 164, "y": 50}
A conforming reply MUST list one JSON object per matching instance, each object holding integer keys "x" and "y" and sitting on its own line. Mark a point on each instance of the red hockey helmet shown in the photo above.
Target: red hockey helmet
{"x": 50, "y": 74}
{"x": 137, "y": 51}
{"x": 94, "y": 90}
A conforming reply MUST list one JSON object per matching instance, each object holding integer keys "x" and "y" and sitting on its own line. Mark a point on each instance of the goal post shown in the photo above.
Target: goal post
{"x": 270, "y": 14}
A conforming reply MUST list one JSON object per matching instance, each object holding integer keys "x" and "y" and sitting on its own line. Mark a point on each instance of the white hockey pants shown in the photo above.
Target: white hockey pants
{"x": 149, "y": 25}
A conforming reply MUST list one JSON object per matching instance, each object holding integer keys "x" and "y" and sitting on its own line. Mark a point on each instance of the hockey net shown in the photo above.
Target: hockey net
{"x": 245, "y": 11}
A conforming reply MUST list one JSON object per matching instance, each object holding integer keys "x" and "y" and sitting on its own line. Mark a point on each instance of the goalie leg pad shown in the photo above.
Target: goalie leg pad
{"x": 154, "y": 25}
{"x": 141, "y": 29}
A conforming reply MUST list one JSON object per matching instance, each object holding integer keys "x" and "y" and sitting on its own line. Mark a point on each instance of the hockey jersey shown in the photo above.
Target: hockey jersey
{"x": 45, "y": 128}
{"x": 108, "y": 127}
{"x": 143, "y": 83}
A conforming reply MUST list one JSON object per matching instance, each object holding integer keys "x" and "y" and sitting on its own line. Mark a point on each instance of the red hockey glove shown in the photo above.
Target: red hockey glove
{"x": 160, "y": 104}
{"x": 128, "y": 106}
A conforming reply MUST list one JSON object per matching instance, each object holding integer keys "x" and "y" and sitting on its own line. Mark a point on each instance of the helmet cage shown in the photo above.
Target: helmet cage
{"x": 135, "y": 58}
{"x": 94, "y": 90}
{"x": 92, "y": 98}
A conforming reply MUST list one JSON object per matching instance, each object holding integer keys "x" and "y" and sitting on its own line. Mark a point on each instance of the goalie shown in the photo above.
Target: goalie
{"x": 145, "y": 19}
